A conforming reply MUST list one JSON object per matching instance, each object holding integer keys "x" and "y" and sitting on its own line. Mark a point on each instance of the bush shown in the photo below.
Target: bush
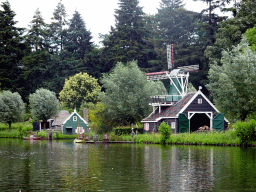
{"x": 165, "y": 131}
{"x": 246, "y": 131}
{"x": 127, "y": 130}
{"x": 24, "y": 130}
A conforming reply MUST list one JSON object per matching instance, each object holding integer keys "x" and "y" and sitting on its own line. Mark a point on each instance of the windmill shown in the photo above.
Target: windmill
{"x": 178, "y": 80}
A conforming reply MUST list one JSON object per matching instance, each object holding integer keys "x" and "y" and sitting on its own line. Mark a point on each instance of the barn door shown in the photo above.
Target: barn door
{"x": 183, "y": 123}
{"x": 218, "y": 122}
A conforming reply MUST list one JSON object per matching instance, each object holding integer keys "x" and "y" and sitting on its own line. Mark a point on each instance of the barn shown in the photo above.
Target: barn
{"x": 74, "y": 124}
{"x": 192, "y": 111}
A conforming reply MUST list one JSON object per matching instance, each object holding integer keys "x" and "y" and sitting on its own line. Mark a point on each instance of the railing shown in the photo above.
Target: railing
{"x": 164, "y": 99}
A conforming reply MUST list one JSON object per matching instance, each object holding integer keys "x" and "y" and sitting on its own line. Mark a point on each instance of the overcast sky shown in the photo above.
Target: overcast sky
{"x": 97, "y": 14}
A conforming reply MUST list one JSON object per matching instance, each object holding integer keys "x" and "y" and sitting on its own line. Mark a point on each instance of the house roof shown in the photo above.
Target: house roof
{"x": 62, "y": 116}
{"x": 174, "y": 110}
{"x": 169, "y": 111}
{"x": 72, "y": 115}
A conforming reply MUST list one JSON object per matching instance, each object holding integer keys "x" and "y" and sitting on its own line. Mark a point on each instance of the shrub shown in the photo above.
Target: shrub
{"x": 127, "y": 130}
{"x": 246, "y": 131}
{"x": 165, "y": 131}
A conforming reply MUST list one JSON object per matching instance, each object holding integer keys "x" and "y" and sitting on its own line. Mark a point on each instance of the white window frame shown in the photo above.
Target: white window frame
{"x": 173, "y": 125}
{"x": 74, "y": 118}
{"x": 200, "y": 101}
{"x": 146, "y": 128}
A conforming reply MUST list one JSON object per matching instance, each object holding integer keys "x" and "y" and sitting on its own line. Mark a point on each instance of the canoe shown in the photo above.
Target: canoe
{"x": 33, "y": 138}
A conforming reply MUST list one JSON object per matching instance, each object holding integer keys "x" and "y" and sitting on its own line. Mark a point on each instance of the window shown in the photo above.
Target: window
{"x": 74, "y": 118}
{"x": 173, "y": 125}
{"x": 146, "y": 126}
{"x": 200, "y": 101}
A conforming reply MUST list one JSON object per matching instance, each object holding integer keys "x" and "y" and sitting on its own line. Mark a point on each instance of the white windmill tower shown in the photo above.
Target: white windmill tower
{"x": 178, "y": 81}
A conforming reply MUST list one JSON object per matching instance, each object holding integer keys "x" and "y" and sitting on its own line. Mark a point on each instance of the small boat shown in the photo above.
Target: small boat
{"x": 33, "y": 138}
{"x": 79, "y": 140}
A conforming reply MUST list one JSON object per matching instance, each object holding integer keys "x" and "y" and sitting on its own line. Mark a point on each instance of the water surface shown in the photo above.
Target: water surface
{"x": 66, "y": 166}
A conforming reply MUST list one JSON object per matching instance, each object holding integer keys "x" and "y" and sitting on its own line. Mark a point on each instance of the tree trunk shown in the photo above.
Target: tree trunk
{"x": 44, "y": 125}
{"x": 10, "y": 124}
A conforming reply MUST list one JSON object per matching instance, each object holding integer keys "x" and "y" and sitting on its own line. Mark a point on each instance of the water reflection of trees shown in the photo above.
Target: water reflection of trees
{"x": 179, "y": 168}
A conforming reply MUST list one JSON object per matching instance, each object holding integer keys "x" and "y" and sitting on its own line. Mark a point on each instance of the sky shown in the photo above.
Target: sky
{"x": 98, "y": 15}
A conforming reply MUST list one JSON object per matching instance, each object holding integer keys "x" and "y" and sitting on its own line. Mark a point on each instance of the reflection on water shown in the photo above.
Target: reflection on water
{"x": 66, "y": 166}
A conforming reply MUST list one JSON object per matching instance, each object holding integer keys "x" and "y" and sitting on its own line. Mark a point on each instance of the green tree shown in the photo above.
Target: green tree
{"x": 36, "y": 71}
{"x": 44, "y": 105}
{"x": 37, "y": 35}
{"x": 12, "y": 49}
{"x": 251, "y": 36}
{"x": 56, "y": 29}
{"x": 127, "y": 93}
{"x": 78, "y": 39}
{"x": 79, "y": 89}
{"x": 233, "y": 84}
{"x": 126, "y": 39}
{"x": 230, "y": 31}
{"x": 12, "y": 108}
{"x": 165, "y": 131}
{"x": 99, "y": 120}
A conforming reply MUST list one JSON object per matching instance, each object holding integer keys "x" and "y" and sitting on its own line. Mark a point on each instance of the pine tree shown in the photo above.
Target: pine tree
{"x": 12, "y": 49}
{"x": 37, "y": 34}
{"x": 78, "y": 39}
{"x": 57, "y": 27}
{"x": 125, "y": 42}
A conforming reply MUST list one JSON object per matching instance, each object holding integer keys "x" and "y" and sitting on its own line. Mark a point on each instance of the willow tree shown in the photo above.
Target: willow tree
{"x": 12, "y": 108}
{"x": 127, "y": 93}
{"x": 233, "y": 84}
{"x": 44, "y": 105}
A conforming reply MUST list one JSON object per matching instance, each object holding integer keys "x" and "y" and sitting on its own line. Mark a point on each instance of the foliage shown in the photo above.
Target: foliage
{"x": 148, "y": 138}
{"x": 44, "y": 104}
{"x": 251, "y": 37}
{"x": 12, "y": 49}
{"x": 126, "y": 40}
{"x": 79, "y": 89}
{"x": 246, "y": 131}
{"x": 98, "y": 120}
{"x": 191, "y": 88}
{"x": 12, "y": 108}
{"x": 211, "y": 138}
{"x": 127, "y": 93}
{"x": 233, "y": 85}
{"x": 127, "y": 130}
{"x": 24, "y": 131}
{"x": 10, "y": 134}
{"x": 37, "y": 35}
{"x": 165, "y": 131}
{"x": 77, "y": 38}
{"x": 114, "y": 137}
{"x": 59, "y": 21}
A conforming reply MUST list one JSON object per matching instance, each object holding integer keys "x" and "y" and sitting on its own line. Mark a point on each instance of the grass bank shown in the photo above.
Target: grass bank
{"x": 210, "y": 138}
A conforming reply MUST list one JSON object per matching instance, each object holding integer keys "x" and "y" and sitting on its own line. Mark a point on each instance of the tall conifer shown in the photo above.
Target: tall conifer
{"x": 126, "y": 40}
{"x": 12, "y": 49}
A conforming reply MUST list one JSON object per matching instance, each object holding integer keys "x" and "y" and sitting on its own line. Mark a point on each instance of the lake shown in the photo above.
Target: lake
{"x": 67, "y": 166}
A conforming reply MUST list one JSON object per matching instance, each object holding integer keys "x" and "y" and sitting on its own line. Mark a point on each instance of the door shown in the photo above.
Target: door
{"x": 183, "y": 123}
{"x": 69, "y": 131}
{"x": 218, "y": 122}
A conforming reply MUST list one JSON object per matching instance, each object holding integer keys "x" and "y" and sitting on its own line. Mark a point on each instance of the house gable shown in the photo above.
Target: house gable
{"x": 72, "y": 122}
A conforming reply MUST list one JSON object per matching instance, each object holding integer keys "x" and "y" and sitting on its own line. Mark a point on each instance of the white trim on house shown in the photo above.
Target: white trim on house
{"x": 77, "y": 115}
{"x": 209, "y": 114}
{"x": 158, "y": 119}
{"x": 193, "y": 98}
